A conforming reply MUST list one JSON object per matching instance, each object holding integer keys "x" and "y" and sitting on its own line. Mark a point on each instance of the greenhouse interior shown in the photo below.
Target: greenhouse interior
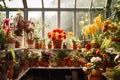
{"x": 59, "y": 39}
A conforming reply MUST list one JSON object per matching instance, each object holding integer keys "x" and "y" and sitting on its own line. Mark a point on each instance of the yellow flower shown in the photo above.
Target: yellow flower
{"x": 70, "y": 34}
{"x": 84, "y": 50}
{"x": 90, "y": 51}
{"x": 86, "y": 30}
{"x": 92, "y": 29}
{"x": 98, "y": 22}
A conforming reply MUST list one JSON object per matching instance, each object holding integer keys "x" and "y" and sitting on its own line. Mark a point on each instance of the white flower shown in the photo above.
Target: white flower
{"x": 84, "y": 69}
{"x": 93, "y": 59}
{"x": 98, "y": 59}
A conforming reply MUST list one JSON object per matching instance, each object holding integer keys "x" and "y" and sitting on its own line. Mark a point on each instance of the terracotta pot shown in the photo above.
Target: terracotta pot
{"x": 36, "y": 63}
{"x": 75, "y": 46}
{"x": 25, "y": 65}
{"x": 64, "y": 46}
{"x": 96, "y": 76}
{"x": 70, "y": 63}
{"x": 46, "y": 64}
{"x": 57, "y": 44}
{"x": 10, "y": 40}
{"x": 63, "y": 63}
{"x": 41, "y": 63}
{"x": 49, "y": 46}
{"x": 76, "y": 64}
{"x": 38, "y": 46}
{"x": 17, "y": 45}
{"x": 32, "y": 63}
{"x": 29, "y": 41}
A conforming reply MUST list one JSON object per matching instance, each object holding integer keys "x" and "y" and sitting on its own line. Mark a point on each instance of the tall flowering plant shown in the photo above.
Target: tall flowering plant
{"x": 57, "y": 35}
{"x": 94, "y": 30}
{"x": 8, "y": 32}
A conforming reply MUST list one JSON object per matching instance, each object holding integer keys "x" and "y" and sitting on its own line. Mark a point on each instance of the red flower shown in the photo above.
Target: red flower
{"x": 98, "y": 51}
{"x": 6, "y": 21}
{"x": 49, "y": 35}
{"x": 53, "y": 38}
{"x": 57, "y": 34}
{"x": 88, "y": 46}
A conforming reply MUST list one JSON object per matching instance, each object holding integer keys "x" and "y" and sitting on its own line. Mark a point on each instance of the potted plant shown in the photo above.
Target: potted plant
{"x": 49, "y": 44}
{"x": 18, "y": 24}
{"x": 9, "y": 34}
{"x": 57, "y": 35}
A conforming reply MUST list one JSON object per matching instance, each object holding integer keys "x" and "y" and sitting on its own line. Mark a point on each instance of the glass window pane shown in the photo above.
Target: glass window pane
{"x": 50, "y": 3}
{"x": 36, "y": 16}
{"x": 67, "y": 21}
{"x": 99, "y": 3}
{"x": 51, "y": 19}
{"x": 82, "y": 19}
{"x": 34, "y": 3}
{"x": 14, "y": 3}
{"x": 67, "y": 4}
{"x": 2, "y": 16}
{"x": 113, "y": 3}
{"x": 83, "y": 3}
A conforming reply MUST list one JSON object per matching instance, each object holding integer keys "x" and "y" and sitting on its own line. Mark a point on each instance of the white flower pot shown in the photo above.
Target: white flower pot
{"x": 20, "y": 39}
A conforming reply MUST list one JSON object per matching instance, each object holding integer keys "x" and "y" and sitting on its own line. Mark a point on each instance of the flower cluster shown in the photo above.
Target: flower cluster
{"x": 94, "y": 29}
{"x": 57, "y": 34}
{"x": 8, "y": 32}
{"x": 94, "y": 65}
{"x": 20, "y": 24}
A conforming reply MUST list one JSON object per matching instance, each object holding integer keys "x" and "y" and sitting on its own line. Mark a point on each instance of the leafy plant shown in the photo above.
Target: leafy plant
{"x": 2, "y": 37}
{"x": 116, "y": 73}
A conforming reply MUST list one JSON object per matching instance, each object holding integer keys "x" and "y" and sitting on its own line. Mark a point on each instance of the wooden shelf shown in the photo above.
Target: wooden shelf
{"x": 16, "y": 49}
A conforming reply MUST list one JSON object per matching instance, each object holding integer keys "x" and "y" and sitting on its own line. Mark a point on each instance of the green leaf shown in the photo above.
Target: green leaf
{"x": 13, "y": 53}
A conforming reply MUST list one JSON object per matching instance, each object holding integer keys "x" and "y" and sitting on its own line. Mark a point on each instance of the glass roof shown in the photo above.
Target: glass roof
{"x": 54, "y": 3}
{"x": 83, "y": 3}
{"x": 50, "y": 3}
{"x": 99, "y": 3}
{"x": 67, "y": 4}
{"x": 34, "y": 3}
{"x": 14, "y": 4}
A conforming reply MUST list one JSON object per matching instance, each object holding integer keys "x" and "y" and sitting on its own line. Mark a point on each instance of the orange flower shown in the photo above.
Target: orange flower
{"x": 98, "y": 22}
{"x": 57, "y": 34}
{"x": 70, "y": 34}
{"x": 104, "y": 55}
{"x": 88, "y": 64}
{"x": 92, "y": 29}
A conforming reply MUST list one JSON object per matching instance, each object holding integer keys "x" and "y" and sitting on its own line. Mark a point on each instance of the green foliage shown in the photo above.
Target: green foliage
{"x": 116, "y": 45}
{"x": 61, "y": 54}
{"x": 116, "y": 73}
{"x": 2, "y": 37}
{"x": 105, "y": 44}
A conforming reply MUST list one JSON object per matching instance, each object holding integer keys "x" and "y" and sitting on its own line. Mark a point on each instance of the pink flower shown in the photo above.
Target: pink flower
{"x": 98, "y": 59}
{"x": 93, "y": 59}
